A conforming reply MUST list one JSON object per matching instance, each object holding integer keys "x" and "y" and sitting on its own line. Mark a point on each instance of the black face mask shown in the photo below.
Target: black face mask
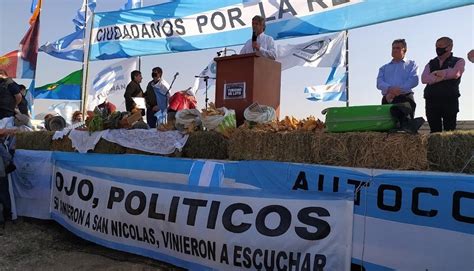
{"x": 441, "y": 51}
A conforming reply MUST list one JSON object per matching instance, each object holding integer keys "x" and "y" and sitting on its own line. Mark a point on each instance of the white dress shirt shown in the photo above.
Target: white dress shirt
{"x": 267, "y": 46}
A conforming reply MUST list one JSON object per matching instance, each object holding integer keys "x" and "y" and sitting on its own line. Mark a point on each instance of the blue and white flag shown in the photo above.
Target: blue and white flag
{"x": 326, "y": 51}
{"x": 188, "y": 25}
{"x": 84, "y": 13}
{"x": 209, "y": 74}
{"x": 110, "y": 84}
{"x": 71, "y": 47}
{"x": 65, "y": 108}
{"x": 334, "y": 90}
{"x": 131, "y": 4}
{"x": 206, "y": 173}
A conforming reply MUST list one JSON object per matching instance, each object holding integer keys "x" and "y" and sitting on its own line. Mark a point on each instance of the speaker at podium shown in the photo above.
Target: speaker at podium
{"x": 246, "y": 79}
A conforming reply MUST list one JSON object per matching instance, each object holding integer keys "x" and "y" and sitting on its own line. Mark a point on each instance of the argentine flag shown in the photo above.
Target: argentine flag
{"x": 333, "y": 90}
{"x": 71, "y": 47}
{"x": 206, "y": 174}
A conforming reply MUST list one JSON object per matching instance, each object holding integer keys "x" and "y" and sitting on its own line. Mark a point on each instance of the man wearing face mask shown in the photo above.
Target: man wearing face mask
{"x": 260, "y": 43}
{"x": 442, "y": 76}
{"x": 156, "y": 97}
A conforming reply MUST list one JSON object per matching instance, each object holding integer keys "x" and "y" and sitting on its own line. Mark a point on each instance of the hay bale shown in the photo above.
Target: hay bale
{"x": 451, "y": 151}
{"x": 439, "y": 152}
{"x": 104, "y": 146}
{"x": 40, "y": 140}
{"x": 206, "y": 145}
{"x": 260, "y": 145}
{"x": 371, "y": 150}
{"x": 64, "y": 144}
{"x": 134, "y": 151}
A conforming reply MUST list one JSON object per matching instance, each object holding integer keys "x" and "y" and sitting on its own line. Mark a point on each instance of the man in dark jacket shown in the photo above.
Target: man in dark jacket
{"x": 442, "y": 76}
{"x": 10, "y": 95}
{"x": 23, "y": 105}
{"x": 133, "y": 90}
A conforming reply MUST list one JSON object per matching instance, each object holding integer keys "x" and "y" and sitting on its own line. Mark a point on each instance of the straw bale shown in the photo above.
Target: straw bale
{"x": 371, "y": 150}
{"x": 206, "y": 145}
{"x": 447, "y": 152}
{"x": 134, "y": 151}
{"x": 40, "y": 140}
{"x": 260, "y": 145}
{"x": 104, "y": 146}
{"x": 451, "y": 151}
{"x": 64, "y": 144}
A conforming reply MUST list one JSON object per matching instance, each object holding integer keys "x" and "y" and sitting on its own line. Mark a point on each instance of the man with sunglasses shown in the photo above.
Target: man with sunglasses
{"x": 396, "y": 81}
{"x": 442, "y": 76}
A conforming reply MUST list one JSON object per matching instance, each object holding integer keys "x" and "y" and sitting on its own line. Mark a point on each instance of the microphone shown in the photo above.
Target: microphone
{"x": 172, "y": 82}
{"x": 254, "y": 36}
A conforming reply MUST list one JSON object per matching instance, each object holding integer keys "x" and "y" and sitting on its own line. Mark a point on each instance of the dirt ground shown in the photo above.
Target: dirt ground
{"x": 30, "y": 244}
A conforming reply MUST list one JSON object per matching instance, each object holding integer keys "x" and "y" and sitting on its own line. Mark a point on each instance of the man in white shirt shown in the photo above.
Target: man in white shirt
{"x": 260, "y": 43}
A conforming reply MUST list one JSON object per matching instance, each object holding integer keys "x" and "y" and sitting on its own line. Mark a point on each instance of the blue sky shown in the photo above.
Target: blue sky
{"x": 369, "y": 48}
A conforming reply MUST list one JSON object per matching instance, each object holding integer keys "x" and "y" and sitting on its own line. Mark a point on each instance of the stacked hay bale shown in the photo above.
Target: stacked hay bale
{"x": 206, "y": 145}
{"x": 371, "y": 150}
{"x": 38, "y": 141}
{"x": 451, "y": 151}
{"x": 448, "y": 152}
{"x": 260, "y": 145}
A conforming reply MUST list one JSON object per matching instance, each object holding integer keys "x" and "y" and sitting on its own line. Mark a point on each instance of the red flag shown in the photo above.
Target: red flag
{"x": 29, "y": 43}
{"x": 9, "y": 63}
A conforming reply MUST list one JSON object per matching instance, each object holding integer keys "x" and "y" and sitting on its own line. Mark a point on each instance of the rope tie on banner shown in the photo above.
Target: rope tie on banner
{"x": 366, "y": 185}
{"x": 467, "y": 163}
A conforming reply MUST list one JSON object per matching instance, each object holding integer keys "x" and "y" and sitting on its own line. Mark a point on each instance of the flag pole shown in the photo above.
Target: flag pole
{"x": 347, "y": 68}
{"x": 32, "y": 83}
{"x": 85, "y": 61}
{"x": 86, "y": 72}
{"x": 139, "y": 58}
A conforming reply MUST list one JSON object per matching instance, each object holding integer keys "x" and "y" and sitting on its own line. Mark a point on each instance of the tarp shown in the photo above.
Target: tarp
{"x": 188, "y": 25}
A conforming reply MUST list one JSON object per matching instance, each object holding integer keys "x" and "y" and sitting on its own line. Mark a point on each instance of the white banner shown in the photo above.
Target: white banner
{"x": 327, "y": 51}
{"x": 110, "y": 84}
{"x": 31, "y": 182}
{"x": 200, "y": 228}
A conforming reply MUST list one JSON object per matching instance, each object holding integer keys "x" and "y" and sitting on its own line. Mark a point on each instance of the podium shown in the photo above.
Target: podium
{"x": 246, "y": 79}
